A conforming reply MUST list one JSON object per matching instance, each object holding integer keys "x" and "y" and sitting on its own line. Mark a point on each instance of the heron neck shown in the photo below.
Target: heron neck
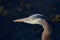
{"x": 46, "y": 26}
{"x": 47, "y": 31}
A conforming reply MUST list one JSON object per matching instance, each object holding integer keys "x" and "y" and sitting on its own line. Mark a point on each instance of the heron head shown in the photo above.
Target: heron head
{"x": 34, "y": 19}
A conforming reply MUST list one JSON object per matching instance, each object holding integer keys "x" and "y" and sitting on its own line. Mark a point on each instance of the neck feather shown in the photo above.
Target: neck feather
{"x": 47, "y": 31}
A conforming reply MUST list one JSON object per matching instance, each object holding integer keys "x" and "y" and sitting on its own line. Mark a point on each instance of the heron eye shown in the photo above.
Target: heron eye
{"x": 33, "y": 19}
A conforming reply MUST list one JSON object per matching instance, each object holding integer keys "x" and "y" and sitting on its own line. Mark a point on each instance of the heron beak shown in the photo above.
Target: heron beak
{"x": 19, "y": 20}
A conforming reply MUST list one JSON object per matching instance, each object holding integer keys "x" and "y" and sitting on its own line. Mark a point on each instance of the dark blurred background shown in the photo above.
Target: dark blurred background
{"x": 16, "y": 9}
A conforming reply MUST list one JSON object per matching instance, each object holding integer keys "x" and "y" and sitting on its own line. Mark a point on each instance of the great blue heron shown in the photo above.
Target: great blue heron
{"x": 38, "y": 19}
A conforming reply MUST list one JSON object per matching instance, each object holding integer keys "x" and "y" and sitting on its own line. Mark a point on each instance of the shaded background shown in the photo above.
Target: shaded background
{"x": 15, "y": 9}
